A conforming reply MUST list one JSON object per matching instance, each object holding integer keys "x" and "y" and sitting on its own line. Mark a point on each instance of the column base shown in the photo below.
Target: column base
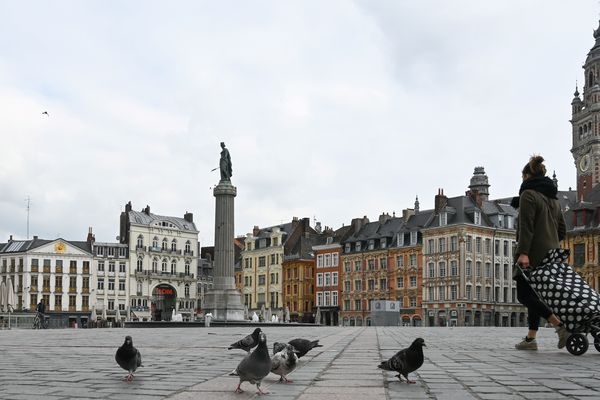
{"x": 224, "y": 304}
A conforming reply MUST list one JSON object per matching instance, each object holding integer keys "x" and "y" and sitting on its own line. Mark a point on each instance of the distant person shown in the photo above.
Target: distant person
{"x": 541, "y": 226}
{"x": 41, "y": 308}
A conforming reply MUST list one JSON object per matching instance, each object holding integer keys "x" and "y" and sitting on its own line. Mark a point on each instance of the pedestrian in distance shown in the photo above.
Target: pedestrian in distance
{"x": 541, "y": 226}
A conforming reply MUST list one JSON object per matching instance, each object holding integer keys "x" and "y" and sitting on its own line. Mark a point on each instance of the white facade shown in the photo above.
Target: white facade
{"x": 163, "y": 265}
{"x": 110, "y": 280}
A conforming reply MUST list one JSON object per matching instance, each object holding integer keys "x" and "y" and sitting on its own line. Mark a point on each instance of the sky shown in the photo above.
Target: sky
{"x": 331, "y": 110}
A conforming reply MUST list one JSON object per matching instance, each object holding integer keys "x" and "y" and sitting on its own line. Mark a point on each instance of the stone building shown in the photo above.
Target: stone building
{"x": 57, "y": 271}
{"x": 163, "y": 258}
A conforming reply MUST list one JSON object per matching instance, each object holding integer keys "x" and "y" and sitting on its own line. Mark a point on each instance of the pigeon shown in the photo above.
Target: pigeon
{"x": 303, "y": 346}
{"x": 128, "y": 357}
{"x": 284, "y": 361}
{"x": 46, "y": 113}
{"x": 255, "y": 366}
{"x": 406, "y": 360}
{"x": 247, "y": 343}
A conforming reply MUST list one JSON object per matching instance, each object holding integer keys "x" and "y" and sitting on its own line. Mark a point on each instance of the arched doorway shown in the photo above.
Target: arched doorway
{"x": 163, "y": 302}
{"x": 417, "y": 320}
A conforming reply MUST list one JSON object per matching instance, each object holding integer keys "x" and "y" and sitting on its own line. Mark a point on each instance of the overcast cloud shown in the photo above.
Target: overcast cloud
{"x": 330, "y": 109}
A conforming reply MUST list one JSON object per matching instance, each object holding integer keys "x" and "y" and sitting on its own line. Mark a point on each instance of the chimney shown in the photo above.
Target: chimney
{"x": 35, "y": 238}
{"x": 318, "y": 227}
{"x": 10, "y": 239}
{"x": 440, "y": 201}
{"x": 147, "y": 210}
{"x": 189, "y": 217}
{"x": 383, "y": 218}
{"x": 128, "y": 207}
{"x": 255, "y": 231}
{"x": 305, "y": 224}
{"x": 90, "y": 236}
{"x": 407, "y": 213}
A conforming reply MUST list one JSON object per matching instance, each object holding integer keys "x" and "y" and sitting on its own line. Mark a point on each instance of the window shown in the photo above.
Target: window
{"x": 58, "y": 282}
{"x": 139, "y": 286}
{"x": 140, "y": 241}
{"x": 441, "y": 293}
{"x": 85, "y": 283}
{"x": 443, "y": 219}
{"x": 488, "y": 270}
{"x": 334, "y": 259}
{"x": 111, "y": 251}
{"x": 579, "y": 255}
{"x": 100, "y": 284}
{"x": 111, "y": 304}
{"x": 99, "y": 251}
{"x": 400, "y": 283}
{"x": 140, "y": 265}
{"x": 468, "y": 292}
{"x": 186, "y": 290}
{"x": 155, "y": 265}
{"x": 488, "y": 246}
{"x": 497, "y": 271}
{"x": 111, "y": 284}
{"x": 72, "y": 267}
{"x": 122, "y": 284}
{"x": 431, "y": 293}
{"x": 478, "y": 245}
{"x": 319, "y": 298}
{"x": 453, "y": 268}
{"x": 383, "y": 284}
{"x": 347, "y": 266}
{"x": 327, "y": 298}
{"x": 334, "y": 278}
{"x": 347, "y": 248}
{"x": 111, "y": 266}
{"x": 261, "y": 280}
{"x": 371, "y": 264}
{"x": 327, "y": 276}
{"x": 505, "y": 248}
{"x": 58, "y": 302}
{"x": 453, "y": 292}
{"x": 413, "y": 281}
{"x": 442, "y": 243}
{"x": 100, "y": 266}
{"x": 357, "y": 285}
{"x": 399, "y": 261}
{"x": 122, "y": 267}
{"x": 275, "y": 242}
{"x": 262, "y": 261}
{"x": 328, "y": 260}
{"x": 72, "y": 301}
{"x": 478, "y": 293}
{"x": 173, "y": 267}
{"x": 165, "y": 243}
{"x": 477, "y": 217}
{"x": 431, "y": 270}
{"x": 431, "y": 246}
{"x": 468, "y": 268}
{"x": 371, "y": 284}
{"x": 274, "y": 259}
{"x": 357, "y": 246}
{"x": 454, "y": 243}
{"x": 173, "y": 245}
{"x": 357, "y": 266}
{"x": 188, "y": 247}
{"x": 334, "y": 298}
{"x": 274, "y": 278}
{"x": 497, "y": 247}
{"x": 506, "y": 273}
{"x": 413, "y": 238}
{"x": 347, "y": 286}
{"x": 320, "y": 261}
{"x": 383, "y": 263}
{"x": 412, "y": 260}
{"x": 73, "y": 284}
{"x": 319, "y": 280}
{"x": 469, "y": 243}
{"x": 357, "y": 305}
{"x": 371, "y": 244}
{"x": 413, "y": 301}
{"x": 155, "y": 242}
{"x": 164, "y": 265}
{"x": 488, "y": 292}
{"x": 442, "y": 269}
{"x": 478, "y": 269}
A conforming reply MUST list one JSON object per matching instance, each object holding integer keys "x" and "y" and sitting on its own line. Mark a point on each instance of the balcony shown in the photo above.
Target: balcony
{"x": 34, "y": 268}
{"x": 155, "y": 249}
{"x": 188, "y": 253}
{"x": 46, "y": 269}
{"x": 140, "y": 248}
{"x": 72, "y": 290}
{"x": 86, "y": 271}
{"x": 73, "y": 271}
{"x": 85, "y": 290}
{"x": 46, "y": 289}
{"x": 85, "y": 308}
{"x": 175, "y": 251}
{"x": 58, "y": 289}
{"x": 59, "y": 270}
{"x": 72, "y": 308}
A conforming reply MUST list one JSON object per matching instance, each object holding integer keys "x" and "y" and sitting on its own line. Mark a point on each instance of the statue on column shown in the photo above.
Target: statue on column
{"x": 225, "y": 164}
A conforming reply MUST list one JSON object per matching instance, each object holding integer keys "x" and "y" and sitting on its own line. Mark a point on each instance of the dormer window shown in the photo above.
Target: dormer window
{"x": 357, "y": 246}
{"x": 443, "y": 219}
{"x": 371, "y": 244}
{"x": 348, "y": 248}
{"x": 500, "y": 221}
{"x": 477, "y": 217}
{"x": 413, "y": 238}
{"x": 383, "y": 243}
{"x": 275, "y": 241}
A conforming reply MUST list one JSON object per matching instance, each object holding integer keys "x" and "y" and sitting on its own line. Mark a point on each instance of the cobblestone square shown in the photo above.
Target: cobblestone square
{"x": 190, "y": 363}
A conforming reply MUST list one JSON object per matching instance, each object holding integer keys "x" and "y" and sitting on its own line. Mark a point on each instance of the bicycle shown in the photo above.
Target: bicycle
{"x": 39, "y": 321}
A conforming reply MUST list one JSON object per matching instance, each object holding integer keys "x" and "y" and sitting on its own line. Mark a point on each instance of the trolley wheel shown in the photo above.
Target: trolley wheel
{"x": 577, "y": 344}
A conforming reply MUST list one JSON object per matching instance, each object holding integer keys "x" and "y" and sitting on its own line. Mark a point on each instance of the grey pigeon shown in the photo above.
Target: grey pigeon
{"x": 284, "y": 361}
{"x": 406, "y": 360}
{"x": 247, "y": 343}
{"x": 255, "y": 366}
{"x": 46, "y": 113}
{"x": 128, "y": 357}
{"x": 303, "y": 346}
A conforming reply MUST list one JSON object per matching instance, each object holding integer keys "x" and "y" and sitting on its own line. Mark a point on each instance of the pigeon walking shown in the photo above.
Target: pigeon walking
{"x": 255, "y": 366}
{"x": 406, "y": 360}
{"x": 247, "y": 343}
{"x": 128, "y": 357}
{"x": 284, "y": 361}
{"x": 303, "y": 346}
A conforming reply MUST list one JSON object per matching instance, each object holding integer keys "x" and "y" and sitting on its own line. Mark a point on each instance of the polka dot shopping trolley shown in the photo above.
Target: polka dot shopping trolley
{"x": 570, "y": 298}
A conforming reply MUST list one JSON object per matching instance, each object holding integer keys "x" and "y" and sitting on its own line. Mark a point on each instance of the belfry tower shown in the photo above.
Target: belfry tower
{"x": 586, "y": 123}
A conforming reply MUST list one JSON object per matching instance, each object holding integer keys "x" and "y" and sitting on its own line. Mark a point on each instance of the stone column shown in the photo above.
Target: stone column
{"x": 224, "y": 301}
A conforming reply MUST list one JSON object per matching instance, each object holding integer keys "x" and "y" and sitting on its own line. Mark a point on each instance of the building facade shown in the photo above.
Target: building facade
{"x": 58, "y": 272}
{"x": 164, "y": 261}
